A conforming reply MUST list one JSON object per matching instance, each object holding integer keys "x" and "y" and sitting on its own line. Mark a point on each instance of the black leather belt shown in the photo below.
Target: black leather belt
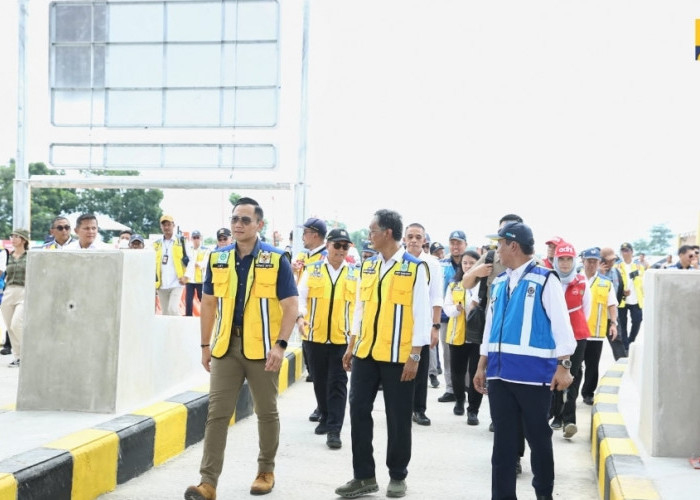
{"x": 237, "y": 330}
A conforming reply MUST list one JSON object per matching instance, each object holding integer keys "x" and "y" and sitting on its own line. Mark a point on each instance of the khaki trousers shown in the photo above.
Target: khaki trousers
{"x": 226, "y": 380}
{"x": 170, "y": 299}
{"x": 13, "y": 315}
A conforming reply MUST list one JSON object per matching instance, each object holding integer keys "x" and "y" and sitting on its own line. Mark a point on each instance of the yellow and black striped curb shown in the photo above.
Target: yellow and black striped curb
{"x": 621, "y": 472}
{"x": 88, "y": 463}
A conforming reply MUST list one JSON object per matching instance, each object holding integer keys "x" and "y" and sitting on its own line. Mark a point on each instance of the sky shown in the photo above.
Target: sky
{"x": 582, "y": 117}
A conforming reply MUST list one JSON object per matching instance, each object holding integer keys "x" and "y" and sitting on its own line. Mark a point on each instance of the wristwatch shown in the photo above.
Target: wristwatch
{"x": 566, "y": 363}
{"x": 436, "y": 325}
{"x": 281, "y": 343}
{"x": 415, "y": 357}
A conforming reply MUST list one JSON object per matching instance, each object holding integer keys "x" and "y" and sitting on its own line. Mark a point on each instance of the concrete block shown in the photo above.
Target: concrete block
{"x": 671, "y": 367}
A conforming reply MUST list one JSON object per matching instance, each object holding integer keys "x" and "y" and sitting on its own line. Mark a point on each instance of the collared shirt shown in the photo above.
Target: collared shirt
{"x": 16, "y": 270}
{"x": 303, "y": 285}
{"x": 436, "y": 287}
{"x": 168, "y": 275}
{"x": 422, "y": 313}
{"x": 75, "y": 245}
{"x": 285, "y": 287}
{"x": 554, "y": 305}
{"x": 55, "y": 245}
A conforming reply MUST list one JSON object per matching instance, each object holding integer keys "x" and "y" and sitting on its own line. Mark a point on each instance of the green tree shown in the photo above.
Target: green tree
{"x": 659, "y": 242}
{"x": 358, "y": 237}
{"x": 137, "y": 208}
{"x": 46, "y": 203}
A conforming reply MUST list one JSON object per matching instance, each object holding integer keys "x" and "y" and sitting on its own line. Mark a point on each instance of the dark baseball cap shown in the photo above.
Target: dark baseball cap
{"x": 338, "y": 235}
{"x": 317, "y": 225}
{"x": 196, "y": 233}
{"x": 136, "y": 237}
{"x": 626, "y": 246}
{"x": 224, "y": 231}
{"x": 516, "y": 231}
{"x": 458, "y": 235}
{"x": 435, "y": 247}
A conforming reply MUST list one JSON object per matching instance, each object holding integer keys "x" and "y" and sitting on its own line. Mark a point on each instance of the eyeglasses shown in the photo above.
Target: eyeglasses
{"x": 337, "y": 245}
{"x": 63, "y": 228}
{"x": 195, "y": 237}
{"x": 245, "y": 220}
{"x": 607, "y": 262}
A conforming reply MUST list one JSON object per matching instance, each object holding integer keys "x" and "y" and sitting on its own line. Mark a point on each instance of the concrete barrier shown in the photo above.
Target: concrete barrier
{"x": 88, "y": 463}
{"x": 92, "y": 341}
{"x": 619, "y": 467}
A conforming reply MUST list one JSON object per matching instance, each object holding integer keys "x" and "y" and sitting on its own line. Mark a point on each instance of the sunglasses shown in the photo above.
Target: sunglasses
{"x": 608, "y": 262}
{"x": 245, "y": 220}
{"x": 63, "y": 228}
{"x": 195, "y": 237}
{"x": 222, "y": 238}
{"x": 337, "y": 245}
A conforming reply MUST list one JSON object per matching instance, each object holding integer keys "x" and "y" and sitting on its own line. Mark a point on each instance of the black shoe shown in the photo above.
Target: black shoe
{"x": 321, "y": 428}
{"x": 315, "y": 416}
{"x": 544, "y": 497}
{"x": 556, "y": 423}
{"x": 518, "y": 467}
{"x": 439, "y": 370}
{"x": 459, "y": 408}
{"x": 588, "y": 400}
{"x": 434, "y": 381}
{"x": 491, "y": 427}
{"x": 420, "y": 418}
{"x": 472, "y": 419}
{"x": 5, "y": 350}
{"x": 333, "y": 440}
{"x": 381, "y": 387}
{"x": 448, "y": 397}
{"x": 309, "y": 378}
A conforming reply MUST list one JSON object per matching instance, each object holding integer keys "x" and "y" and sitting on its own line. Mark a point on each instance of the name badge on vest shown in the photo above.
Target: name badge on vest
{"x": 371, "y": 270}
{"x": 222, "y": 261}
{"x": 404, "y": 270}
{"x": 316, "y": 273}
{"x": 264, "y": 260}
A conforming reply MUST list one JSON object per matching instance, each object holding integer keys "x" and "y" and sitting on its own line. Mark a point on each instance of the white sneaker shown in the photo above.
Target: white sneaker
{"x": 14, "y": 364}
{"x": 570, "y": 430}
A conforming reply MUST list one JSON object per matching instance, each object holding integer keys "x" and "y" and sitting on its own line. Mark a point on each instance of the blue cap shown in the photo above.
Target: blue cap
{"x": 458, "y": 235}
{"x": 591, "y": 253}
{"x": 367, "y": 247}
{"x": 516, "y": 231}
{"x": 317, "y": 225}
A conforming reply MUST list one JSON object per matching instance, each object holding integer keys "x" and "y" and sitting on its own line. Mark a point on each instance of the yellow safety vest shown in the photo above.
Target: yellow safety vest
{"x": 199, "y": 254}
{"x": 637, "y": 282}
{"x": 262, "y": 316}
{"x": 308, "y": 260}
{"x": 176, "y": 256}
{"x": 598, "y": 318}
{"x": 387, "y": 319}
{"x": 457, "y": 325}
{"x": 330, "y": 306}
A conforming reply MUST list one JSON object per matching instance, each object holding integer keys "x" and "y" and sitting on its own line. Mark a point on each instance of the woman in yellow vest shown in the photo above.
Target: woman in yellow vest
{"x": 464, "y": 352}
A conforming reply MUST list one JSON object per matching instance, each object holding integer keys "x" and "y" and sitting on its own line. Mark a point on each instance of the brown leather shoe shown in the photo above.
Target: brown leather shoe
{"x": 202, "y": 492}
{"x": 263, "y": 483}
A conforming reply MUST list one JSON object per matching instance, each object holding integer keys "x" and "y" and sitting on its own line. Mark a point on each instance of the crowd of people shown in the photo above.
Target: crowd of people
{"x": 494, "y": 320}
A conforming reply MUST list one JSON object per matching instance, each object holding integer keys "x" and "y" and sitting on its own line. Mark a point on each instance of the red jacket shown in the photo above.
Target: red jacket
{"x": 574, "y": 302}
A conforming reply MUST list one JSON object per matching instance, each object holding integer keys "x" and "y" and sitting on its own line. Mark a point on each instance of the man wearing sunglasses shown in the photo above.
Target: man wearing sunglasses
{"x": 196, "y": 268}
{"x": 607, "y": 269}
{"x": 249, "y": 305}
{"x": 60, "y": 231}
{"x": 223, "y": 237}
{"x": 326, "y": 303}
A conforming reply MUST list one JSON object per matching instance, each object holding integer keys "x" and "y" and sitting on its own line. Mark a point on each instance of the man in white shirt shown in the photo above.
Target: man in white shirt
{"x": 60, "y": 231}
{"x": 196, "y": 270}
{"x": 390, "y": 327}
{"x": 86, "y": 229}
{"x": 413, "y": 239}
{"x": 170, "y": 269}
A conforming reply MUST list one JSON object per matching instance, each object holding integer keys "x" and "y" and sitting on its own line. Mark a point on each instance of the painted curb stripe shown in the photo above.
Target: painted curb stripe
{"x": 85, "y": 464}
{"x": 621, "y": 472}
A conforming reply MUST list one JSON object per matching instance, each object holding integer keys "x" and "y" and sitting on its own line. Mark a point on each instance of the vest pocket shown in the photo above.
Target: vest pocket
{"x": 219, "y": 279}
{"x": 401, "y": 291}
{"x": 265, "y": 283}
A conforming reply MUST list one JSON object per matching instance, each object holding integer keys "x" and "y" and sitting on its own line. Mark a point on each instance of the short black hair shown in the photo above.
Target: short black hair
{"x": 684, "y": 248}
{"x": 84, "y": 217}
{"x": 526, "y": 249}
{"x": 250, "y": 201}
{"x": 416, "y": 224}
{"x": 388, "y": 219}
{"x": 510, "y": 218}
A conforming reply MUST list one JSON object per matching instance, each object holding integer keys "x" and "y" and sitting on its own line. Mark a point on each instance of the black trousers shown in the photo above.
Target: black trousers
{"x": 420, "y": 395}
{"x": 306, "y": 350}
{"x": 464, "y": 359}
{"x": 591, "y": 361}
{"x": 511, "y": 403}
{"x": 192, "y": 289}
{"x": 330, "y": 383}
{"x": 567, "y": 410}
{"x": 629, "y": 336}
{"x": 367, "y": 374}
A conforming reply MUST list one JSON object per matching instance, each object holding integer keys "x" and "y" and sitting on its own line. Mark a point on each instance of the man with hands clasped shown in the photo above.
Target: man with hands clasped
{"x": 528, "y": 340}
